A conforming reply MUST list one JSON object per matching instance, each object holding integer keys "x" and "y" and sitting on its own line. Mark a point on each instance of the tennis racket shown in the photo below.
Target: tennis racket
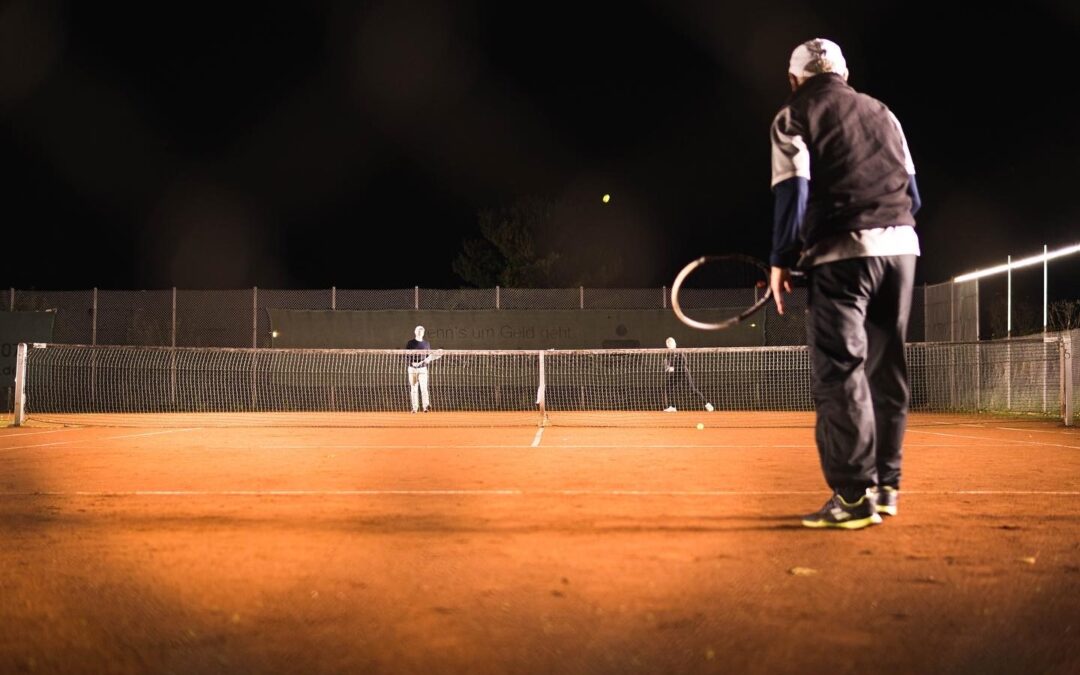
{"x": 433, "y": 356}
{"x": 725, "y": 271}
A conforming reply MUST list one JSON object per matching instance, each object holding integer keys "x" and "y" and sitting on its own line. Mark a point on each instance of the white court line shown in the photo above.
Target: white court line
{"x": 536, "y": 438}
{"x": 438, "y": 446}
{"x": 93, "y": 440}
{"x": 553, "y": 446}
{"x": 1035, "y": 431}
{"x": 506, "y": 492}
{"x": 995, "y": 440}
{"x": 35, "y": 433}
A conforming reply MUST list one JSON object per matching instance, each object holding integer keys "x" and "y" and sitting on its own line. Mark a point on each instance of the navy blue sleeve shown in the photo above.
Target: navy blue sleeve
{"x": 789, "y": 209}
{"x": 913, "y": 192}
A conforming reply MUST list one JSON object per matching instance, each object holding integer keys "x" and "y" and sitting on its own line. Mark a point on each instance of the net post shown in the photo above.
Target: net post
{"x": 20, "y": 385}
{"x": 541, "y": 404}
{"x": 663, "y": 296}
{"x": 497, "y": 298}
{"x": 581, "y": 297}
{"x": 1067, "y": 412}
{"x": 416, "y": 297}
{"x": 11, "y": 304}
{"x": 333, "y": 297}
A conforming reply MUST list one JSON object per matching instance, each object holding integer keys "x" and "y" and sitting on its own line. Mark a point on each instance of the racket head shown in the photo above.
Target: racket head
{"x": 733, "y": 271}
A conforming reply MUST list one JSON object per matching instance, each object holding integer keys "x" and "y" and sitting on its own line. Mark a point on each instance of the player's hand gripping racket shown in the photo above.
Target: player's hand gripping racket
{"x": 433, "y": 356}
{"x": 725, "y": 271}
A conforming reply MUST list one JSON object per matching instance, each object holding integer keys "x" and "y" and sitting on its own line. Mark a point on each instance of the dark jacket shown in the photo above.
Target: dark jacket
{"x": 855, "y": 153}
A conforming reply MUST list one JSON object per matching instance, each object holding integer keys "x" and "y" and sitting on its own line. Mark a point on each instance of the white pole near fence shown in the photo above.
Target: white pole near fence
{"x": 20, "y": 384}
{"x": 333, "y": 297}
{"x": 581, "y": 297}
{"x": 663, "y": 296}
{"x": 498, "y": 299}
{"x": 1008, "y": 333}
{"x": 1046, "y": 264}
{"x": 1067, "y": 411}
{"x": 1045, "y": 365}
{"x": 416, "y": 297}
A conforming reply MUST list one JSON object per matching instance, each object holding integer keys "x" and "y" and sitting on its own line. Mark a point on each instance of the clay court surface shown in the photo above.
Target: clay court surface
{"x": 502, "y": 550}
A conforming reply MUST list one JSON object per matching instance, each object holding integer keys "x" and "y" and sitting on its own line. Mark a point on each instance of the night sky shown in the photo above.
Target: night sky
{"x": 194, "y": 145}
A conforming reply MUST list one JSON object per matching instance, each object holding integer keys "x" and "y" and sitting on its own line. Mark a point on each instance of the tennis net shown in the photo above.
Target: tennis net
{"x": 129, "y": 385}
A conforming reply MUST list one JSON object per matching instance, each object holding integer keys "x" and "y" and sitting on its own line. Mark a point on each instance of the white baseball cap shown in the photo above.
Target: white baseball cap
{"x": 817, "y": 56}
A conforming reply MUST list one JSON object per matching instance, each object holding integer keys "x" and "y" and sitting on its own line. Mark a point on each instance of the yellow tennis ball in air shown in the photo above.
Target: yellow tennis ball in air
{"x": 700, "y": 426}
{"x": 606, "y": 198}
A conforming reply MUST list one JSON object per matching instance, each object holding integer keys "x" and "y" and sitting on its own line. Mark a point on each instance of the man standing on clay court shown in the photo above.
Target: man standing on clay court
{"x": 418, "y": 371}
{"x": 677, "y": 375}
{"x": 845, "y": 195}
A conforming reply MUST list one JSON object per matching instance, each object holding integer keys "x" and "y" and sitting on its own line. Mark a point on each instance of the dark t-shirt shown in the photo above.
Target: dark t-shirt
{"x": 417, "y": 344}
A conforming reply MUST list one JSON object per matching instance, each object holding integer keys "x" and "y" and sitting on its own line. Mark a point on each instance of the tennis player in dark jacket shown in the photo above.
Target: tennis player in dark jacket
{"x": 845, "y": 196}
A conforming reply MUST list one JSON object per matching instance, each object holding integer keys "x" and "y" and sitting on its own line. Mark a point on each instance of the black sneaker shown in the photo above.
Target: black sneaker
{"x": 838, "y": 513}
{"x": 886, "y": 500}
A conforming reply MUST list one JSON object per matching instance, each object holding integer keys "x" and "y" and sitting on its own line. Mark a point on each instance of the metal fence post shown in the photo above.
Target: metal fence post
{"x": 497, "y": 298}
{"x": 254, "y": 316}
{"x": 172, "y": 353}
{"x": 663, "y": 297}
{"x": 416, "y": 297}
{"x": 1008, "y": 299}
{"x": 93, "y": 319}
{"x": 172, "y": 328}
{"x": 581, "y": 297}
{"x": 333, "y": 297}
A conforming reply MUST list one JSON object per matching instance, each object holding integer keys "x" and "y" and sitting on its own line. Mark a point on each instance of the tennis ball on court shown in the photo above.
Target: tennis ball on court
{"x": 606, "y": 198}
{"x": 700, "y": 426}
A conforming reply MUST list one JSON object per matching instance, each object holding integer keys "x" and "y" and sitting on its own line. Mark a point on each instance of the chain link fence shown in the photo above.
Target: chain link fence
{"x": 238, "y": 318}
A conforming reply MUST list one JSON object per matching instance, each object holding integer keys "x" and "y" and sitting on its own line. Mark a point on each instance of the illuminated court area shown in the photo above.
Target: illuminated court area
{"x": 457, "y": 547}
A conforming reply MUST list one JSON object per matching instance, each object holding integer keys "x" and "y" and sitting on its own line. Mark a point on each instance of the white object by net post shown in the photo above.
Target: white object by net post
{"x": 541, "y": 388}
{"x": 20, "y": 384}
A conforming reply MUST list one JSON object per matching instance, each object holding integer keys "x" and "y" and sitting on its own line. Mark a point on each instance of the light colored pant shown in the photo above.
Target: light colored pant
{"x": 418, "y": 378}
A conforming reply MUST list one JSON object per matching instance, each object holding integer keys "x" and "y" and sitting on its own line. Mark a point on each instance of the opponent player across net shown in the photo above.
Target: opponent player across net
{"x": 418, "y": 370}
